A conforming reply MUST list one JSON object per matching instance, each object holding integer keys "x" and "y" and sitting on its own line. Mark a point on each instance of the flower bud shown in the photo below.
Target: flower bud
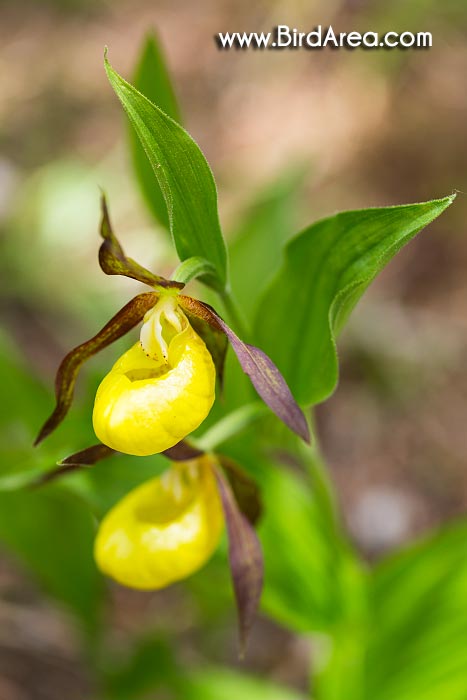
{"x": 160, "y": 390}
{"x": 164, "y": 530}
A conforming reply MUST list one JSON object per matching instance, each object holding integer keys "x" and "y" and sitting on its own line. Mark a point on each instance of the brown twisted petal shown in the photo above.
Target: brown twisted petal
{"x": 265, "y": 377}
{"x": 126, "y": 319}
{"x": 113, "y": 260}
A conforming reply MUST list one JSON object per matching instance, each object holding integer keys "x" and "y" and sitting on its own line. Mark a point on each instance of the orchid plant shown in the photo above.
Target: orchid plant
{"x": 155, "y": 395}
{"x": 163, "y": 388}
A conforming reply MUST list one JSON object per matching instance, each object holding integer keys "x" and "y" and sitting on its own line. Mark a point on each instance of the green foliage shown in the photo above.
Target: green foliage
{"x": 409, "y": 643}
{"x": 326, "y": 270}
{"x": 152, "y": 79}
{"x": 184, "y": 177}
{"x": 417, "y": 641}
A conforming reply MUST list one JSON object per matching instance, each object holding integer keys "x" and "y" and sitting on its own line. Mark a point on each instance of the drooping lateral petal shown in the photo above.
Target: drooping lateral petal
{"x": 79, "y": 460}
{"x": 245, "y": 557}
{"x": 265, "y": 377}
{"x": 131, "y": 314}
{"x": 113, "y": 260}
{"x": 245, "y": 489}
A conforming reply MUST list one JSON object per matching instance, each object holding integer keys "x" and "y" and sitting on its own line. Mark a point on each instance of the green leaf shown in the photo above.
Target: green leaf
{"x": 410, "y": 645}
{"x": 152, "y": 79}
{"x": 418, "y": 632}
{"x": 185, "y": 179}
{"x": 326, "y": 270}
{"x": 51, "y": 533}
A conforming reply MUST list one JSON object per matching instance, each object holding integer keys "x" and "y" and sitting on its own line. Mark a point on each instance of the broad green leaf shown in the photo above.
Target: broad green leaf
{"x": 152, "y": 79}
{"x": 326, "y": 270}
{"x": 418, "y": 633}
{"x": 185, "y": 179}
{"x": 51, "y": 533}
{"x": 411, "y": 642}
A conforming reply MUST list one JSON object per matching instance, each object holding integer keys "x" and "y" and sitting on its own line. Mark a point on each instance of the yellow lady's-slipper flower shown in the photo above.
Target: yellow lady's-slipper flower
{"x": 160, "y": 390}
{"x": 164, "y": 530}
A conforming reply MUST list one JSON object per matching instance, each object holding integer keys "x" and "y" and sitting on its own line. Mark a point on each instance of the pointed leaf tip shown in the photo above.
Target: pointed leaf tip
{"x": 325, "y": 270}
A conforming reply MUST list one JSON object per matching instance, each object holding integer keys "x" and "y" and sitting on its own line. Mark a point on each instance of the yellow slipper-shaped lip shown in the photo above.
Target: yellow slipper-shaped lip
{"x": 164, "y": 530}
{"x": 143, "y": 407}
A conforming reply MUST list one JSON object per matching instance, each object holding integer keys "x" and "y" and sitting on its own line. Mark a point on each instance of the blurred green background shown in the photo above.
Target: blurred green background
{"x": 291, "y": 136}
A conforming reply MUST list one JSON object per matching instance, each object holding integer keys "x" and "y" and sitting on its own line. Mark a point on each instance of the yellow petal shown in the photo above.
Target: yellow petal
{"x": 144, "y": 406}
{"x": 164, "y": 530}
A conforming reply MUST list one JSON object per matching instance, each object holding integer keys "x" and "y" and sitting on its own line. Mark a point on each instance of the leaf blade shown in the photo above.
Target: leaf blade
{"x": 327, "y": 268}
{"x": 184, "y": 176}
{"x": 417, "y": 642}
